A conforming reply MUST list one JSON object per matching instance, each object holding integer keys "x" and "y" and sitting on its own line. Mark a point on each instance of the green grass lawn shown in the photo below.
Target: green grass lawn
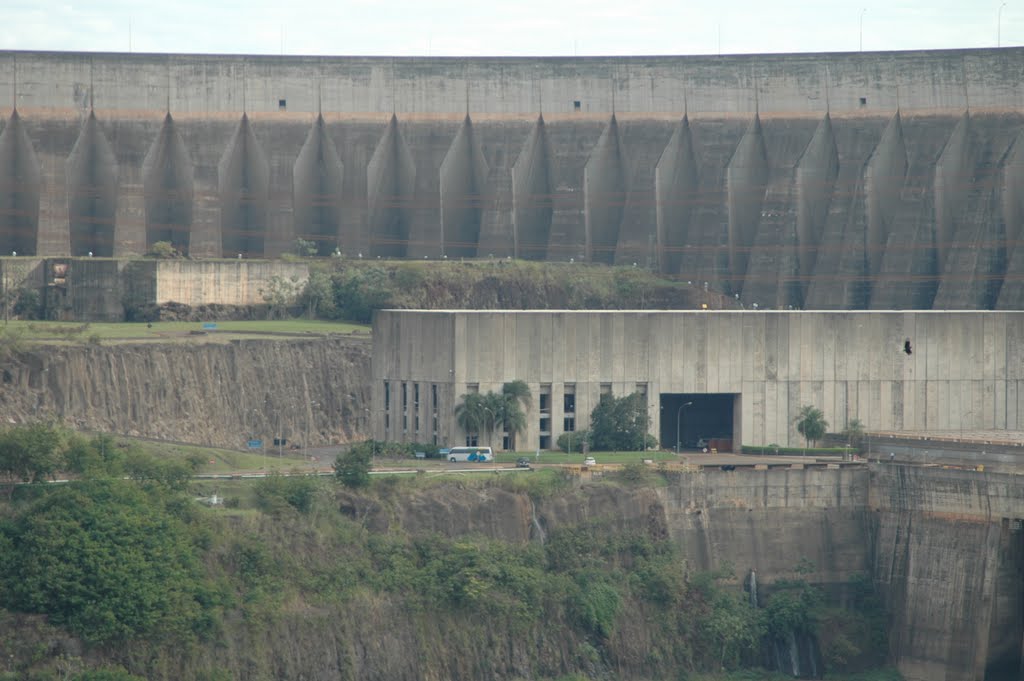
{"x": 167, "y": 331}
{"x": 222, "y": 460}
{"x": 600, "y": 457}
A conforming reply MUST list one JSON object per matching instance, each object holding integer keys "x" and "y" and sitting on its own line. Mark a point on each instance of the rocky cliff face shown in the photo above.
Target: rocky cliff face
{"x": 219, "y": 394}
{"x": 945, "y": 547}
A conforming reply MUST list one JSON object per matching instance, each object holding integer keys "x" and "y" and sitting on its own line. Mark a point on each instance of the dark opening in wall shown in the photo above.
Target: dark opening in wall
{"x": 863, "y": 101}
{"x": 282, "y": 104}
{"x": 576, "y": 105}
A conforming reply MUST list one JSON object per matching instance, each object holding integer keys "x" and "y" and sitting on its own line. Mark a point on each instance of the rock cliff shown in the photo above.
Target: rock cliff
{"x": 219, "y": 394}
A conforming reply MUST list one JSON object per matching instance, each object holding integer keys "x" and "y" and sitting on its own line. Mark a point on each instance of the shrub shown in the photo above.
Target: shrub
{"x": 574, "y": 441}
{"x": 278, "y": 492}
{"x": 352, "y": 468}
{"x": 163, "y": 249}
{"x": 29, "y": 304}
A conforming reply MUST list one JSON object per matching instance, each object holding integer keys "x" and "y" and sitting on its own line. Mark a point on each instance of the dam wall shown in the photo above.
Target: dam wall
{"x": 949, "y": 560}
{"x": 822, "y": 181}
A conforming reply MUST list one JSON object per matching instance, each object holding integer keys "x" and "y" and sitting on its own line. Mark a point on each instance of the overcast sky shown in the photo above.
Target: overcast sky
{"x": 511, "y": 28}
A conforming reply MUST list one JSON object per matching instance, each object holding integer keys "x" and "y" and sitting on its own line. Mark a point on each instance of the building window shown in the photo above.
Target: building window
{"x": 433, "y": 397}
{"x": 606, "y": 389}
{"x": 387, "y": 421}
{"x": 416, "y": 396}
{"x": 472, "y": 387}
{"x": 416, "y": 423}
{"x": 569, "y": 399}
{"x": 471, "y": 440}
{"x": 545, "y": 402}
{"x": 387, "y": 396}
{"x": 863, "y": 101}
{"x": 545, "y": 442}
{"x": 545, "y": 424}
{"x": 405, "y": 396}
{"x": 569, "y": 424}
{"x": 576, "y": 105}
{"x": 506, "y": 442}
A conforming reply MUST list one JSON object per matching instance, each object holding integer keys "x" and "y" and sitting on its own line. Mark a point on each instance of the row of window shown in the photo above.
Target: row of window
{"x": 404, "y": 399}
{"x": 544, "y": 408}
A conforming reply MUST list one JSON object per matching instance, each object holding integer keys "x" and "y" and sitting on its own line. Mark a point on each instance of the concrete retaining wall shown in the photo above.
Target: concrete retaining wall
{"x": 99, "y": 289}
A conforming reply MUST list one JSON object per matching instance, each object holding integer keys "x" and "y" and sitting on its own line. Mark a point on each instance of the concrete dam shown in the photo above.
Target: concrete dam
{"x": 827, "y": 181}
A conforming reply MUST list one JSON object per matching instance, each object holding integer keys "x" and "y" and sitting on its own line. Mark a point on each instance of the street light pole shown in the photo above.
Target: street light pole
{"x": 309, "y": 417}
{"x": 280, "y": 438}
{"x": 491, "y": 413}
{"x": 999, "y": 25}
{"x": 862, "y": 11}
{"x": 679, "y": 419}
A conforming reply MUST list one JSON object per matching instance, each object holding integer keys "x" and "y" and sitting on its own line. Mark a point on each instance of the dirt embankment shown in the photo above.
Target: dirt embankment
{"x": 219, "y": 394}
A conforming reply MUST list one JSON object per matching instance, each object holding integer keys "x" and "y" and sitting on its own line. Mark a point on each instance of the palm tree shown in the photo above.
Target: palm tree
{"x": 494, "y": 409}
{"x": 811, "y": 423}
{"x": 515, "y": 398}
{"x": 469, "y": 414}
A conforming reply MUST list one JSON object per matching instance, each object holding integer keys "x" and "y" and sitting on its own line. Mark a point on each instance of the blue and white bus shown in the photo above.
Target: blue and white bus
{"x": 474, "y": 454}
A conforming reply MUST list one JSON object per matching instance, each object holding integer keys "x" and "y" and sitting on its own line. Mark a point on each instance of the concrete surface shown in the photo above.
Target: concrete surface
{"x": 842, "y": 180}
{"x": 964, "y": 370}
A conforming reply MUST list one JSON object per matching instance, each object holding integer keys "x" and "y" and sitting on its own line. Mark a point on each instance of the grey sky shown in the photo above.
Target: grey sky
{"x": 522, "y": 27}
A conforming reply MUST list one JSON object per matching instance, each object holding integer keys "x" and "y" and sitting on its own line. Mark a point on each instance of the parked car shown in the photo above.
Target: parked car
{"x": 590, "y": 461}
{"x": 522, "y": 462}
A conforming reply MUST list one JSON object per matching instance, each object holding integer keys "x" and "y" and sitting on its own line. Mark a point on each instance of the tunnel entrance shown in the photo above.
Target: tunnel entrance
{"x": 690, "y": 421}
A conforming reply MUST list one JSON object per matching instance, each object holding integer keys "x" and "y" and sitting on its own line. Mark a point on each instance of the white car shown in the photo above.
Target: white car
{"x": 590, "y": 461}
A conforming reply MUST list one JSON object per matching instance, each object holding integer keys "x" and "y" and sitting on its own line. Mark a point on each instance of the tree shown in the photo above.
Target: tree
{"x": 854, "y": 432}
{"x": 105, "y": 560}
{"x": 317, "y": 295}
{"x": 478, "y": 412}
{"x": 352, "y": 468}
{"x": 619, "y": 423}
{"x": 280, "y": 294}
{"x": 31, "y": 453}
{"x": 515, "y": 398}
{"x": 811, "y": 423}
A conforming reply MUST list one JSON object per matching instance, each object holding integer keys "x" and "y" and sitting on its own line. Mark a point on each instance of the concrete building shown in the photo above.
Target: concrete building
{"x": 820, "y": 181}
{"x": 738, "y": 375}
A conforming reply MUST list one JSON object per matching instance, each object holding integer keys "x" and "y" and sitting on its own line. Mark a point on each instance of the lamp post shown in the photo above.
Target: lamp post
{"x": 962, "y": 419}
{"x": 679, "y": 421}
{"x": 861, "y": 34}
{"x": 280, "y": 438}
{"x": 309, "y": 417}
{"x": 491, "y": 413}
{"x": 999, "y": 25}
{"x": 369, "y": 427}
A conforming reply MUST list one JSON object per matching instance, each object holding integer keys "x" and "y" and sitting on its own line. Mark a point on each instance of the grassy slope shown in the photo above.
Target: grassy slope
{"x": 169, "y": 331}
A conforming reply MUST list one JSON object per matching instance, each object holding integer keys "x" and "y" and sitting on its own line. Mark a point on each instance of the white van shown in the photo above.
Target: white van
{"x": 474, "y": 454}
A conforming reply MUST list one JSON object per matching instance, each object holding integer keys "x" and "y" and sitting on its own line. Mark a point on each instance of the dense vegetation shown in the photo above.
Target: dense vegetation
{"x": 161, "y": 587}
{"x": 353, "y": 289}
